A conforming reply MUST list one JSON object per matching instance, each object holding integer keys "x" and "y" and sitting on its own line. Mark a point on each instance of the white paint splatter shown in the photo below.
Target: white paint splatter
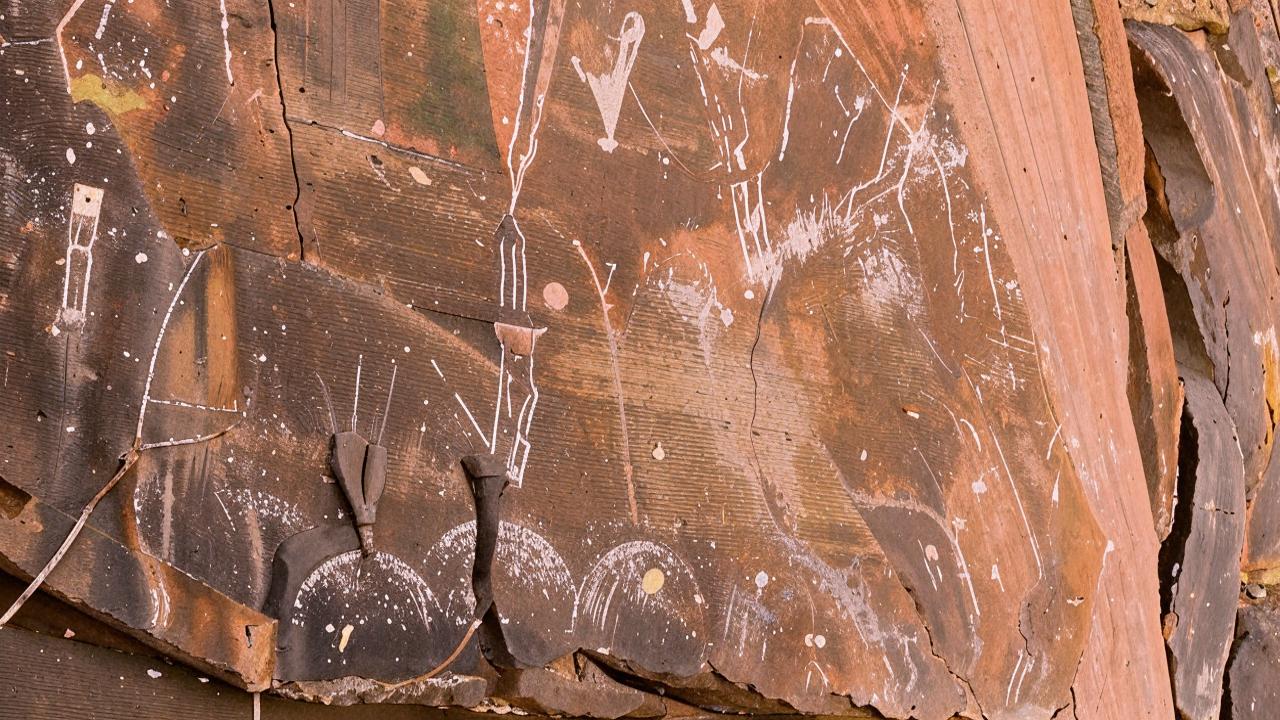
{"x": 722, "y": 58}
{"x": 710, "y": 31}
{"x": 82, "y": 233}
{"x": 226, "y": 42}
{"x": 698, "y": 303}
{"x": 610, "y": 89}
{"x": 102, "y": 22}
{"x": 57, "y": 35}
{"x": 526, "y": 561}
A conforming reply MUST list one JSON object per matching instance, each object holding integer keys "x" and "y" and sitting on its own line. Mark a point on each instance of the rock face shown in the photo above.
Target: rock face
{"x": 1190, "y": 15}
{"x": 1252, "y": 693}
{"x": 871, "y": 358}
{"x": 1200, "y": 559}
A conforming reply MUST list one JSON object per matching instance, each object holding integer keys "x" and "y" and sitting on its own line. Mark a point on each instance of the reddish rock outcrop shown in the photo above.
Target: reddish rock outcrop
{"x": 608, "y": 359}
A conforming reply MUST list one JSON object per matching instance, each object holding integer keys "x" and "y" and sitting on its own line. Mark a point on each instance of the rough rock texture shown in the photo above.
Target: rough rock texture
{"x": 1211, "y": 15}
{"x": 1208, "y": 117}
{"x": 833, "y": 352}
{"x": 1253, "y": 692}
{"x": 1201, "y": 557}
{"x": 459, "y": 690}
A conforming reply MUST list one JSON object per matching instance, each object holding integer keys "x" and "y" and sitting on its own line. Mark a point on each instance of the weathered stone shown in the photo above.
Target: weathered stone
{"x": 825, "y": 350}
{"x": 1253, "y": 693}
{"x": 459, "y": 690}
{"x": 588, "y": 693}
{"x": 1211, "y": 15}
{"x": 1202, "y": 554}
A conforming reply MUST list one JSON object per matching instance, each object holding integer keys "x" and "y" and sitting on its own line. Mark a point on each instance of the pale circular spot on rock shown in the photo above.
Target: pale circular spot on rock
{"x": 555, "y": 296}
{"x": 762, "y": 579}
{"x": 659, "y": 453}
{"x": 140, "y": 258}
{"x": 652, "y": 581}
{"x": 419, "y": 176}
{"x": 819, "y": 641}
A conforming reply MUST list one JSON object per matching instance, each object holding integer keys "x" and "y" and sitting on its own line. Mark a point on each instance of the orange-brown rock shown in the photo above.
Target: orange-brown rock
{"x": 645, "y": 359}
